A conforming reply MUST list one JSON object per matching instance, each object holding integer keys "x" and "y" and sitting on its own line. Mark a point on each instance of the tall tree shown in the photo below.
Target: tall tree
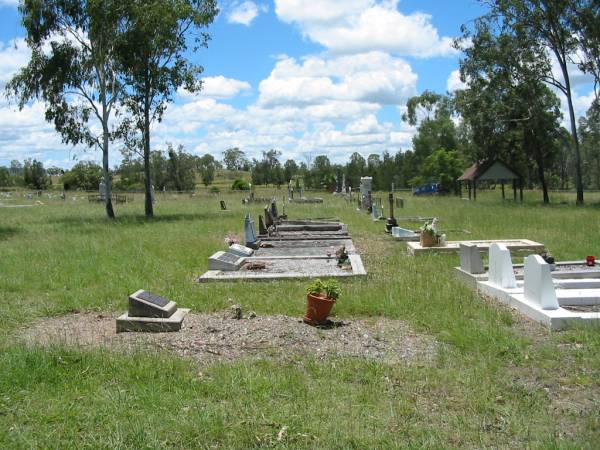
{"x": 548, "y": 27}
{"x": 207, "y": 167}
{"x": 73, "y": 69}
{"x": 235, "y": 159}
{"x": 155, "y": 64}
{"x": 512, "y": 114}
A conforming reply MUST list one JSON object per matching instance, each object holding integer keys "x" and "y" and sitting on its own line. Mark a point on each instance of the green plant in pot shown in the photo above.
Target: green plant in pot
{"x": 429, "y": 235}
{"x": 320, "y": 298}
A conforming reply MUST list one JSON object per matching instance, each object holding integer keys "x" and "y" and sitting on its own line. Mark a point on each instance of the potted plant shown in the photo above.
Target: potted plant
{"x": 429, "y": 235}
{"x": 320, "y": 298}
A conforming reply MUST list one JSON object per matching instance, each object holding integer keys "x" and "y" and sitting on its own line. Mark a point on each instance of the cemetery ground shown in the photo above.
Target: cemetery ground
{"x": 480, "y": 374}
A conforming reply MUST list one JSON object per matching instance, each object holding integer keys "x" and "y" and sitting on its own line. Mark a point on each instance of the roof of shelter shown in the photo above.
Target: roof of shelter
{"x": 490, "y": 170}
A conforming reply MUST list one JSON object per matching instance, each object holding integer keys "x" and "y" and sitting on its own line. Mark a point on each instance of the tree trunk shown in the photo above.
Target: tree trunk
{"x": 578, "y": 179}
{"x": 105, "y": 170}
{"x": 149, "y": 209}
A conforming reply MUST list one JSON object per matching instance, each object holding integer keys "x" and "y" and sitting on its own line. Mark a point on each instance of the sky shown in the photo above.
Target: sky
{"x": 305, "y": 77}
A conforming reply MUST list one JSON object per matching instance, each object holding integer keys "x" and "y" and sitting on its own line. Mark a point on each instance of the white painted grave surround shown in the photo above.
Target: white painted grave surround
{"x": 501, "y": 269}
{"x": 539, "y": 288}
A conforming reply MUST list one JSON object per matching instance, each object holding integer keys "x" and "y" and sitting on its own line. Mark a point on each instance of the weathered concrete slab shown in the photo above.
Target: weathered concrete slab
{"x": 278, "y": 268}
{"x": 415, "y": 248}
{"x": 305, "y": 247}
{"x": 152, "y": 324}
{"x": 310, "y": 227}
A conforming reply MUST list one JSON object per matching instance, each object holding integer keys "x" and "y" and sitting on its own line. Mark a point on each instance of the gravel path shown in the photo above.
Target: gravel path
{"x": 219, "y": 337}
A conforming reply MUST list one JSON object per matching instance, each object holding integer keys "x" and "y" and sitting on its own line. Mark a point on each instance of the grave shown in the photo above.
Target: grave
{"x": 225, "y": 261}
{"x": 391, "y": 222}
{"x": 402, "y": 234}
{"x": 470, "y": 259}
{"x": 223, "y": 205}
{"x": 250, "y": 233}
{"x": 366, "y": 187}
{"x": 151, "y": 312}
{"x": 555, "y": 302}
{"x": 306, "y": 249}
{"x": 526, "y": 245}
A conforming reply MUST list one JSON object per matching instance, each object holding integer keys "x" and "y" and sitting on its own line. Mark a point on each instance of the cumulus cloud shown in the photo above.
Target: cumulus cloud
{"x": 374, "y": 77}
{"x": 217, "y": 87}
{"x": 355, "y": 26}
{"x": 13, "y": 55}
{"x": 244, "y": 13}
{"x": 13, "y": 3}
{"x": 454, "y": 82}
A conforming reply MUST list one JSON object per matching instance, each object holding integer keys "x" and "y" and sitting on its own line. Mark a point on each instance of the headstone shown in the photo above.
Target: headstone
{"x": 102, "y": 190}
{"x": 240, "y": 250}
{"x": 261, "y": 226}
{"x": 223, "y": 205}
{"x": 539, "y": 287}
{"x": 399, "y": 232}
{"x": 151, "y": 313}
{"x": 268, "y": 218}
{"x": 302, "y": 192}
{"x": 470, "y": 259}
{"x": 146, "y": 304}
{"x": 366, "y": 186}
{"x": 344, "y": 183}
{"x": 225, "y": 261}
{"x": 250, "y": 232}
{"x": 274, "y": 211}
{"x": 501, "y": 270}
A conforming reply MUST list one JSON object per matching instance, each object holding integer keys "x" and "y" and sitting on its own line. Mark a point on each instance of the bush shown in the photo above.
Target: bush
{"x": 214, "y": 190}
{"x": 240, "y": 185}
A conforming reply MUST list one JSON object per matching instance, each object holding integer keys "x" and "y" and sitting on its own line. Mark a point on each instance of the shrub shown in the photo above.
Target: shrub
{"x": 240, "y": 185}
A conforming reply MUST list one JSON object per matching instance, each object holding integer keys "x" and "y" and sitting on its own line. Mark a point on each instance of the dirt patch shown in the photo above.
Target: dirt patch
{"x": 219, "y": 337}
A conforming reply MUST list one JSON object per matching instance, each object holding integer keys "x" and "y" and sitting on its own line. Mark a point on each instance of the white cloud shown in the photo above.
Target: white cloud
{"x": 373, "y": 77}
{"x": 243, "y": 13}
{"x": 217, "y": 87}
{"x": 13, "y": 55}
{"x": 454, "y": 82}
{"x": 356, "y": 26}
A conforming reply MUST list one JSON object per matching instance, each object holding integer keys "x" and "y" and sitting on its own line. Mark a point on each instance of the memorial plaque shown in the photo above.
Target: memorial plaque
{"x": 225, "y": 261}
{"x": 153, "y": 298}
{"x": 240, "y": 250}
{"x": 146, "y": 304}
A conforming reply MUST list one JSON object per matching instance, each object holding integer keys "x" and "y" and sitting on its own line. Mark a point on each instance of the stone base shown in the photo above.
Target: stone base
{"x": 152, "y": 324}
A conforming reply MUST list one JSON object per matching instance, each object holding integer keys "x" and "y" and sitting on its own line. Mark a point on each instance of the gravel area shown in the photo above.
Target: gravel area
{"x": 219, "y": 337}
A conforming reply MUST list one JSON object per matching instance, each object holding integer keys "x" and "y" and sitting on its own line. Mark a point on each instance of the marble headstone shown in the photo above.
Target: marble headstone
{"x": 539, "y": 287}
{"x": 470, "y": 259}
{"x": 501, "y": 270}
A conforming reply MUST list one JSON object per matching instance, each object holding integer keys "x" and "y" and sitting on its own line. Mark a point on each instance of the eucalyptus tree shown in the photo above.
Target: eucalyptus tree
{"x": 73, "y": 70}
{"x": 509, "y": 111}
{"x": 155, "y": 61}
{"x": 585, "y": 21}
{"x": 548, "y": 27}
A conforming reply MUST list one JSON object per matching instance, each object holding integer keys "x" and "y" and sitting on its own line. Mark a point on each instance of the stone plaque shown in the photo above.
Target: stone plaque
{"x": 225, "y": 261}
{"x": 146, "y": 304}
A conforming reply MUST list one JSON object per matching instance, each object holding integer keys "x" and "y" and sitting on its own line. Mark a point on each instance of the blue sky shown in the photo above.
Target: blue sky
{"x": 305, "y": 77}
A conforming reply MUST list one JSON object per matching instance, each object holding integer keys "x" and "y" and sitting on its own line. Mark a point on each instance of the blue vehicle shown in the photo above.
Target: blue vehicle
{"x": 428, "y": 189}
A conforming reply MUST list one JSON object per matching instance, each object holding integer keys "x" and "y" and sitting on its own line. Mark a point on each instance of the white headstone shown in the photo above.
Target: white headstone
{"x": 240, "y": 250}
{"x": 501, "y": 270}
{"x": 470, "y": 259}
{"x": 539, "y": 288}
{"x": 225, "y": 261}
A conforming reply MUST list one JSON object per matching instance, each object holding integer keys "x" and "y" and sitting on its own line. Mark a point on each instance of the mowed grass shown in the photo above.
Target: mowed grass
{"x": 496, "y": 380}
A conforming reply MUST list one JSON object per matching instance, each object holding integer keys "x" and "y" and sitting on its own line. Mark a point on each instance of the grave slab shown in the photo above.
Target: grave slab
{"x": 402, "y": 234}
{"x": 225, "y": 261}
{"x": 470, "y": 259}
{"x": 126, "y": 322}
{"x": 415, "y": 248}
{"x": 279, "y": 268}
{"x": 312, "y": 247}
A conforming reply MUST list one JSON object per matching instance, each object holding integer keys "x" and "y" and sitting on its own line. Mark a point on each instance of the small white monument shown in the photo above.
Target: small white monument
{"x": 501, "y": 269}
{"x": 539, "y": 287}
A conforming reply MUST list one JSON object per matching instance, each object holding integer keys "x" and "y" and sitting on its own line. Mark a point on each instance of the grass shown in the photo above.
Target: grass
{"x": 496, "y": 380}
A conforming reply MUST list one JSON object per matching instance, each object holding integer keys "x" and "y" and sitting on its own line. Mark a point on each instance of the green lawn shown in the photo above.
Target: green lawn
{"x": 496, "y": 381}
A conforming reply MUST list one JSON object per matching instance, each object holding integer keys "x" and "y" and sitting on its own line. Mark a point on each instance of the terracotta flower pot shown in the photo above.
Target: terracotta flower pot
{"x": 317, "y": 309}
{"x": 428, "y": 240}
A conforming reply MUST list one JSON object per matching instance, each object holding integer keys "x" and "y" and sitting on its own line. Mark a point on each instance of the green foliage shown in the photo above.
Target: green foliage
{"x": 330, "y": 288}
{"x": 207, "y": 166}
{"x": 240, "y": 185}
{"x": 235, "y": 159}
{"x": 84, "y": 175}
{"x": 34, "y": 175}
{"x": 444, "y": 167}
